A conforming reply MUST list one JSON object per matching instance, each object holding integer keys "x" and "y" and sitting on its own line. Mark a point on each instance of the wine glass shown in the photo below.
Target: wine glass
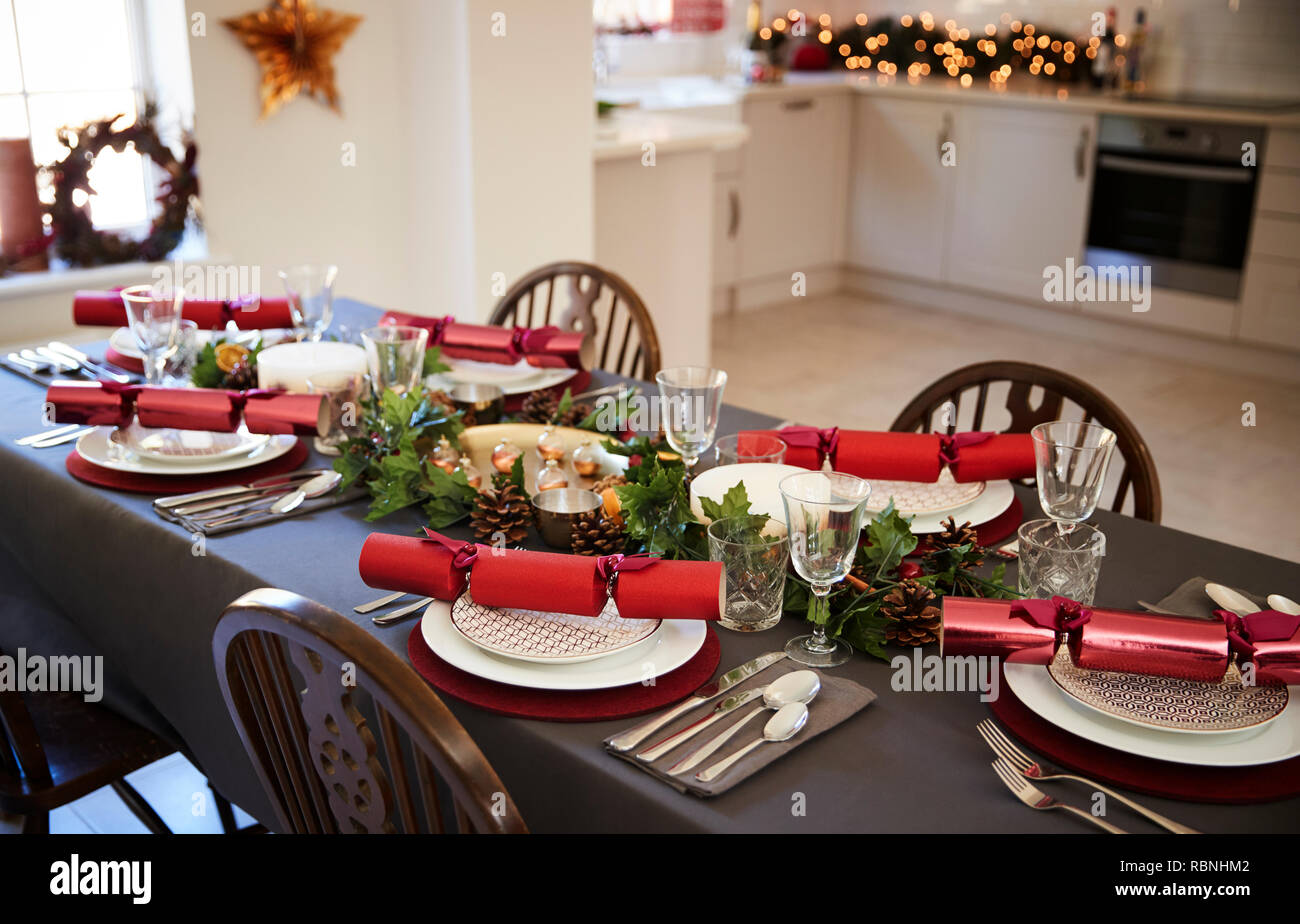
{"x": 311, "y": 297}
{"x": 153, "y": 315}
{"x": 395, "y": 356}
{"x": 1071, "y": 458}
{"x": 692, "y": 397}
{"x": 824, "y": 512}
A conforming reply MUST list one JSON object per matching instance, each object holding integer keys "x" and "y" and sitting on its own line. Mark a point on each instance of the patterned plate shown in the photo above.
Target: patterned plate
{"x": 168, "y": 445}
{"x": 550, "y": 638}
{"x": 1169, "y": 703}
{"x": 912, "y": 497}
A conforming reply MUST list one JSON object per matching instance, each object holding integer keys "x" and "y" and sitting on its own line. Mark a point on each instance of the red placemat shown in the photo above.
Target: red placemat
{"x": 1232, "y": 785}
{"x": 576, "y": 385}
{"x": 566, "y": 705}
{"x": 995, "y": 530}
{"x": 122, "y": 361}
{"x": 136, "y": 483}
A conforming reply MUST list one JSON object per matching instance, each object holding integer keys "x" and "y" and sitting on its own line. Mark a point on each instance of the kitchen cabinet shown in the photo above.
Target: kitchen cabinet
{"x": 899, "y": 192}
{"x": 1021, "y": 197}
{"x": 792, "y": 189}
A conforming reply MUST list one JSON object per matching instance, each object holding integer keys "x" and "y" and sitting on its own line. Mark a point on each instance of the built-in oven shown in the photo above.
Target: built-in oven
{"x": 1176, "y": 196}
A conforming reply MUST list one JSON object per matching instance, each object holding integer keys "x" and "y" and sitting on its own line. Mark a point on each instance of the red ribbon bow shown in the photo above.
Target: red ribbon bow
{"x": 609, "y": 565}
{"x": 824, "y": 441}
{"x": 527, "y": 340}
{"x": 463, "y": 553}
{"x": 1260, "y": 626}
{"x": 240, "y": 303}
{"x": 1060, "y": 614}
{"x": 238, "y": 399}
{"x": 950, "y": 445}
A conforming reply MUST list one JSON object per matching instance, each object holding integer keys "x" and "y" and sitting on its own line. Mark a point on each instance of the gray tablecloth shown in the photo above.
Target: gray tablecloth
{"x": 911, "y": 762}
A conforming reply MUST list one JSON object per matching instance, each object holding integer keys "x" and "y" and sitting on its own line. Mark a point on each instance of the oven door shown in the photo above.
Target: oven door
{"x": 1188, "y": 220}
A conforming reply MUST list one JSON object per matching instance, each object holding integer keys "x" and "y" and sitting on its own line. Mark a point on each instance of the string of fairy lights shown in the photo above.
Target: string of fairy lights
{"x": 916, "y": 47}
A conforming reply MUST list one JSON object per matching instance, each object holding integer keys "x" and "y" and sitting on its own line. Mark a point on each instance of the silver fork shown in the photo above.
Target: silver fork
{"x": 1035, "y": 799}
{"x": 1027, "y": 767}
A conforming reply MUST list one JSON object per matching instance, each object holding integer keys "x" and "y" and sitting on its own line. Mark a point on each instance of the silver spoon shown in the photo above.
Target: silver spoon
{"x": 783, "y": 726}
{"x": 1230, "y": 599}
{"x": 321, "y": 484}
{"x": 794, "y": 687}
{"x": 1283, "y": 604}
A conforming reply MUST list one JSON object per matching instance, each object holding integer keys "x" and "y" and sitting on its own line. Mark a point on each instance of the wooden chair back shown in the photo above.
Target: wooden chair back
{"x": 947, "y": 404}
{"x": 582, "y": 296}
{"x": 290, "y": 670}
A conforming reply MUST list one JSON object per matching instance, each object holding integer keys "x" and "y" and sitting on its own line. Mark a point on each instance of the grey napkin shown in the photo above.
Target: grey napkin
{"x": 1190, "y": 599}
{"x": 838, "y": 699}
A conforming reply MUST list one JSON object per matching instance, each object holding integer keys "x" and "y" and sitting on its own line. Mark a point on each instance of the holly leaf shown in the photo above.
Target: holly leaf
{"x": 433, "y": 363}
{"x": 890, "y": 541}
{"x": 735, "y": 503}
{"x": 566, "y": 402}
{"x": 865, "y": 631}
{"x": 450, "y": 497}
{"x": 351, "y": 465}
{"x": 206, "y": 373}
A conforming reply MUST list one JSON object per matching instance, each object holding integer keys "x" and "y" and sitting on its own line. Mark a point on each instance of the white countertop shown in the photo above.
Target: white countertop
{"x": 625, "y": 132}
{"x": 686, "y": 93}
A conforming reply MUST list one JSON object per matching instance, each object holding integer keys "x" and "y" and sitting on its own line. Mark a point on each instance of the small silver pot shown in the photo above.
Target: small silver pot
{"x": 558, "y": 509}
{"x": 488, "y": 402}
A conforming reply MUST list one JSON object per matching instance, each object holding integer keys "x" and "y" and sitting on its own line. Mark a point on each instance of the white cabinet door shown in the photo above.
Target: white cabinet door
{"x": 1268, "y": 303}
{"x": 899, "y": 192}
{"x": 1020, "y": 202}
{"x": 726, "y": 230}
{"x": 792, "y": 201}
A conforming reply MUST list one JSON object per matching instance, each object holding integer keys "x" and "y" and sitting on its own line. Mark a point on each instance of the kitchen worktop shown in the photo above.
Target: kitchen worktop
{"x": 624, "y": 133}
{"x": 686, "y": 93}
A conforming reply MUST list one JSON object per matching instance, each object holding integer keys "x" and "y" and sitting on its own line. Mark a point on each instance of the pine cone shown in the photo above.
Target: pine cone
{"x": 543, "y": 407}
{"x": 241, "y": 377}
{"x": 954, "y": 536}
{"x": 597, "y": 535}
{"x": 508, "y": 512}
{"x": 609, "y": 481}
{"x": 913, "y": 619}
{"x": 539, "y": 407}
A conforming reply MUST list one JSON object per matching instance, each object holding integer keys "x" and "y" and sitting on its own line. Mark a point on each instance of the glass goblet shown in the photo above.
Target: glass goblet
{"x": 395, "y": 357}
{"x": 824, "y": 513}
{"x": 153, "y": 316}
{"x": 1071, "y": 458}
{"x": 692, "y": 400}
{"x": 749, "y": 447}
{"x": 311, "y": 297}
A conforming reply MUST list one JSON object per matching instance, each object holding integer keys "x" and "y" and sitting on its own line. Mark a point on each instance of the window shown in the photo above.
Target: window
{"x": 67, "y": 62}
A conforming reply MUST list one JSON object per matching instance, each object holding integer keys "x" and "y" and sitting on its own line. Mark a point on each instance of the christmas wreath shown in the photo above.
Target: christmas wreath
{"x": 75, "y": 237}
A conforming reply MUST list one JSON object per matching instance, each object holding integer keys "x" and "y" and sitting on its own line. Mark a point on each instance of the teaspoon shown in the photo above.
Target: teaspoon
{"x": 783, "y": 726}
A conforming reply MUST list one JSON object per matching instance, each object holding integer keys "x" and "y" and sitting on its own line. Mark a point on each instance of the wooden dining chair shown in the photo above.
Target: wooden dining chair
{"x": 939, "y": 407}
{"x": 589, "y": 298}
{"x": 290, "y": 670}
{"x": 55, "y": 748}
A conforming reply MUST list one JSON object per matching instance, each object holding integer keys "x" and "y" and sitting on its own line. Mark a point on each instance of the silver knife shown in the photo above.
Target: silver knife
{"x": 634, "y": 736}
{"x": 86, "y": 363}
{"x": 60, "y": 439}
{"x": 401, "y": 613}
{"x": 655, "y": 751}
{"x": 46, "y": 434}
{"x": 231, "y": 491}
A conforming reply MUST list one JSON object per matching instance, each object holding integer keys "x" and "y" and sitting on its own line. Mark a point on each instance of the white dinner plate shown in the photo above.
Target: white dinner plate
{"x": 96, "y": 448}
{"x": 990, "y": 505}
{"x": 916, "y": 498}
{"x": 1277, "y": 740}
{"x": 476, "y": 372}
{"x": 187, "y": 447}
{"x": 676, "y": 643}
{"x": 540, "y": 378}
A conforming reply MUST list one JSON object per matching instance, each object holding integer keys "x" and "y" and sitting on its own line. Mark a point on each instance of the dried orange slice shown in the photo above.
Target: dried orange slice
{"x": 230, "y": 355}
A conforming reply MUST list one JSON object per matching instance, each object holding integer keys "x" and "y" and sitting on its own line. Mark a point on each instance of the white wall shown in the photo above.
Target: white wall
{"x": 531, "y": 116}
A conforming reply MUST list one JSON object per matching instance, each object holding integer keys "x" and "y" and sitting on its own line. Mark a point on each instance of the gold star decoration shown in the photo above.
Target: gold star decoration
{"x": 295, "y": 44}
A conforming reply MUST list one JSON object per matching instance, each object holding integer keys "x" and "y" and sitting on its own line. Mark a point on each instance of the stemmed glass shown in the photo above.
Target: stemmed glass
{"x": 1072, "y": 458}
{"x": 311, "y": 297}
{"x": 154, "y": 315}
{"x": 395, "y": 356}
{"x": 692, "y": 397}
{"x": 824, "y": 512}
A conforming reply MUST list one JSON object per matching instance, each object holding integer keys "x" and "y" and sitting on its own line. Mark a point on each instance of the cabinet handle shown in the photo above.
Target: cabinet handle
{"x": 794, "y": 105}
{"x": 733, "y": 225}
{"x": 945, "y": 133}
{"x": 1081, "y": 154}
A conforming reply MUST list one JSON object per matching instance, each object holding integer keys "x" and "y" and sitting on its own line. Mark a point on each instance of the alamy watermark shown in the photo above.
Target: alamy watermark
{"x": 23, "y": 673}
{"x": 210, "y": 282}
{"x": 1085, "y": 283}
{"x": 650, "y": 413}
{"x": 934, "y": 674}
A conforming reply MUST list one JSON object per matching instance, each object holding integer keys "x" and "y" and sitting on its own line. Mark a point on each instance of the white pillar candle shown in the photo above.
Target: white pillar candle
{"x": 292, "y": 366}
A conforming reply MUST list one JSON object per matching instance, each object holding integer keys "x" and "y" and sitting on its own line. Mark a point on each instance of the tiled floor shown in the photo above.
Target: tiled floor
{"x": 177, "y": 792}
{"x": 852, "y": 362}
